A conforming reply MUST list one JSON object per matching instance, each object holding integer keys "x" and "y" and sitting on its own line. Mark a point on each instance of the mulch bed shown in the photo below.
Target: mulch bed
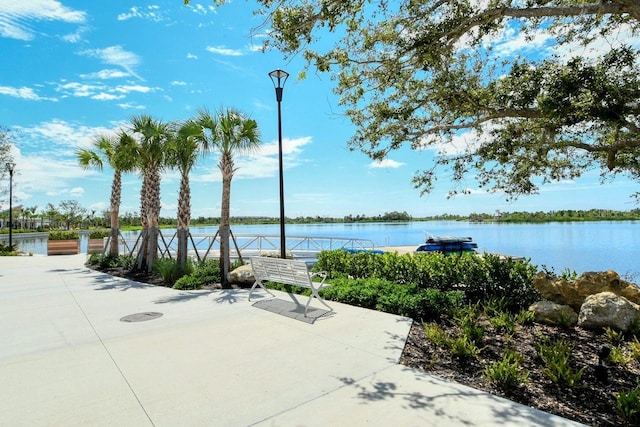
{"x": 591, "y": 402}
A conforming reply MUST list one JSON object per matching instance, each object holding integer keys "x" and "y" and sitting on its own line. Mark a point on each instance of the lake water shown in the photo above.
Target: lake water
{"x": 579, "y": 246}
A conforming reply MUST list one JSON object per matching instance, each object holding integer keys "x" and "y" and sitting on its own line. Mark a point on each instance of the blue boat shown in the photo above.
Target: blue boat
{"x": 448, "y": 245}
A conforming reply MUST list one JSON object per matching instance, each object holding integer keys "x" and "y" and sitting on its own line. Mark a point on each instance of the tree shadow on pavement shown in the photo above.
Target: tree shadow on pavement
{"x": 462, "y": 405}
{"x": 221, "y": 296}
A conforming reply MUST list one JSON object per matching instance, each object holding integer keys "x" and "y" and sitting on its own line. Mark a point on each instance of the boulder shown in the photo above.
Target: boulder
{"x": 574, "y": 293}
{"x": 606, "y": 309}
{"x": 242, "y": 275}
{"x": 554, "y": 314}
{"x": 275, "y": 254}
{"x": 552, "y": 288}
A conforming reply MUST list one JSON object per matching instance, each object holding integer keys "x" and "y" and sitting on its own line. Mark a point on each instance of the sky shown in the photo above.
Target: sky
{"x": 73, "y": 70}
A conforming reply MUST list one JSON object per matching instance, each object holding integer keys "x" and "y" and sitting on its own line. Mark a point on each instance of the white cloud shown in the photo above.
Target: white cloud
{"x": 116, "y": 55}
{"x": 106, "y": 97}
{"x": 105, "y": 74}
{"x": 191, "y": 56}
{"x": 200, "y": 9}
{"x": 23, "y": 93}
{"x": 261, "y": 164}
{"x": 178, "y": 83}
{"x": 511, "y": 42}
{"x": 150, "y": 13}
{"x": 129, "y": 106}
{"x": 385, "y": 164}
{"x": 600, "y": 44}
{"x": 17, "y": 16}
{"x": 100, "y": 92}
{"x": 224, "y": 51}
{"x": 76, "y": 36}
{"x": 133, "y": 88}
{"x": 56, "y": 134}
{"x": 76, "y": 192}
{"x": 45, "y": 158}
{"x": 79, "y": 89}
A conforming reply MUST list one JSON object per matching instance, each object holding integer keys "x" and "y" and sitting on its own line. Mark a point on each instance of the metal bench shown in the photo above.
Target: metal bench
{"x": 288, "y": 272}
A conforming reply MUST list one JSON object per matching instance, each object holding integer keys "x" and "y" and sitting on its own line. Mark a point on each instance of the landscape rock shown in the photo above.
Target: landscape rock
{"x": 242, "y": 275}
{"x": 606, "y": 309}
{"x": 553, "y": 314}
{"x": 574, "y": 293}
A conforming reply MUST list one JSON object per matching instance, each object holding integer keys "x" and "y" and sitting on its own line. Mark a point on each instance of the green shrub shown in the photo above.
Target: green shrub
{"x": 63, "y": 235}
{"x": 618, "y": 357}
{"x": 125, "y": 262}
{"x": 170, "y": 269}
{"x": 507, "y": 373}
{"x": 468, "y": 321}
{"x": 635, "y": 348}
{"x": 463, "y": 347}
{"x": 504, "y": 322}
{"x": 435, "y": 334}
{"x": 402, "y": 299}
{"x": 480, "y": 278}
{"x": 506, "y": 277}
{"x": 525, "y": 317}
{"x": 628, "y": 405}
{"x": 99, "y": 233}
{"x": 556, "y": 357}
{"x": 205, "y": 272}
{"x": 6, "y": 250}
{"x": 614, "y": 336}
{"x": 495, "y": 306}
{"x": 188, "y": 283}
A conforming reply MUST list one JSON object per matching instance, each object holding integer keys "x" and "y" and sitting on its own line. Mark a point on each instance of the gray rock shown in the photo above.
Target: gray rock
{"x": 554, "y": 314}
{"x": 607, "y": 309}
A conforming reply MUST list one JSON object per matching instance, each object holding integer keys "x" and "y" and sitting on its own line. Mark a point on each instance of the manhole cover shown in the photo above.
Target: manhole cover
{"x": 141, "y": 317}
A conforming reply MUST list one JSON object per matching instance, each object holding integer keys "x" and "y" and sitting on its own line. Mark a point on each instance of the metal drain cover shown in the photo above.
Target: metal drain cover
{"x": 141, "y": 317}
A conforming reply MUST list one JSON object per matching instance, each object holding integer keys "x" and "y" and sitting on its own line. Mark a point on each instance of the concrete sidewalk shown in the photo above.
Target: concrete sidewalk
{"x": 66, "y": 359}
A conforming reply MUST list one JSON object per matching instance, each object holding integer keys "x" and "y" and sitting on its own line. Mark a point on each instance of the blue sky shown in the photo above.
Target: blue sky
{"x": 75, "y": 69}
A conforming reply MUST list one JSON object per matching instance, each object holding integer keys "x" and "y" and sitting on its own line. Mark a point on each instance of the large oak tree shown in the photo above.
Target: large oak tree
{"x": 439, "y": 75}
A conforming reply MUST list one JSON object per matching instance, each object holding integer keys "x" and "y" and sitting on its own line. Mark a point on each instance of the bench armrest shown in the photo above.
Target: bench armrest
{"x": 321, "y": 284}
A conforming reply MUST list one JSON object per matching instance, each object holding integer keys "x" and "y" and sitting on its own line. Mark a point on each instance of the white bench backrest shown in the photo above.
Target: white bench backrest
{"x": 281, "y": 270}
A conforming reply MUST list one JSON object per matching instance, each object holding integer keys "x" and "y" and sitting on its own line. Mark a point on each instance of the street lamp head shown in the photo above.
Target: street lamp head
{"x": 278, "y": 77}
{"x": 10, "y": 167}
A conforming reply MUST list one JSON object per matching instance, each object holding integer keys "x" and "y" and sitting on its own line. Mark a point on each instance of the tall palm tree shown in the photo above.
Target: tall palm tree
{"x": 117, "y": 153}
{"x": 152, "y": 138}
{"x": 229, "y": 132}
{"x": 183, "y": 152}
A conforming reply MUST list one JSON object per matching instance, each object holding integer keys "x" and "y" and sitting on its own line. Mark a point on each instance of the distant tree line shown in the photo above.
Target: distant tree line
{"x": 566, "y": 215}
{"x": 70, "y": 214}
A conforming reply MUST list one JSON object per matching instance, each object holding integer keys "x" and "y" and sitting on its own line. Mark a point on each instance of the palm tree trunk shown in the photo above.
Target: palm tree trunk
{"x": 116, "y": 190}
{"x": 153, "y": 215}
{"x": 226, "y": 167}
{"x": 184, "y": 214}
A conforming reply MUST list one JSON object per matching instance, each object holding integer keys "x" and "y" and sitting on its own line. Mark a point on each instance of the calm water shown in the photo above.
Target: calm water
{"x": 588, "y": 246}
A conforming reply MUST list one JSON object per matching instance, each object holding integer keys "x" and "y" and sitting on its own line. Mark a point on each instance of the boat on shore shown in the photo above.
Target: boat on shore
{"x": 448, "y": 245}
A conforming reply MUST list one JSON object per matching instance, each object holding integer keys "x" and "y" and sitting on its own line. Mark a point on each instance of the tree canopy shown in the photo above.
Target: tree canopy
{"x": 511, "y": 93}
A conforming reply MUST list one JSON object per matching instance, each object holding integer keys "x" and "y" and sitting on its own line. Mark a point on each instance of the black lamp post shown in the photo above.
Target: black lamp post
{"x": 279, "y": 77}
{"x": 10, "y": 167}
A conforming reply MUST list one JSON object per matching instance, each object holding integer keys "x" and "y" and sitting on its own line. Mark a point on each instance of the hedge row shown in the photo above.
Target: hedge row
{"x": 479, "y": 278}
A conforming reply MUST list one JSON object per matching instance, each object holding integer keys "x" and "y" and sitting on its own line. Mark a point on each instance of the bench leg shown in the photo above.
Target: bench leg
{"x": 259, "y": 283}
{"x": 314, "y": 293}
